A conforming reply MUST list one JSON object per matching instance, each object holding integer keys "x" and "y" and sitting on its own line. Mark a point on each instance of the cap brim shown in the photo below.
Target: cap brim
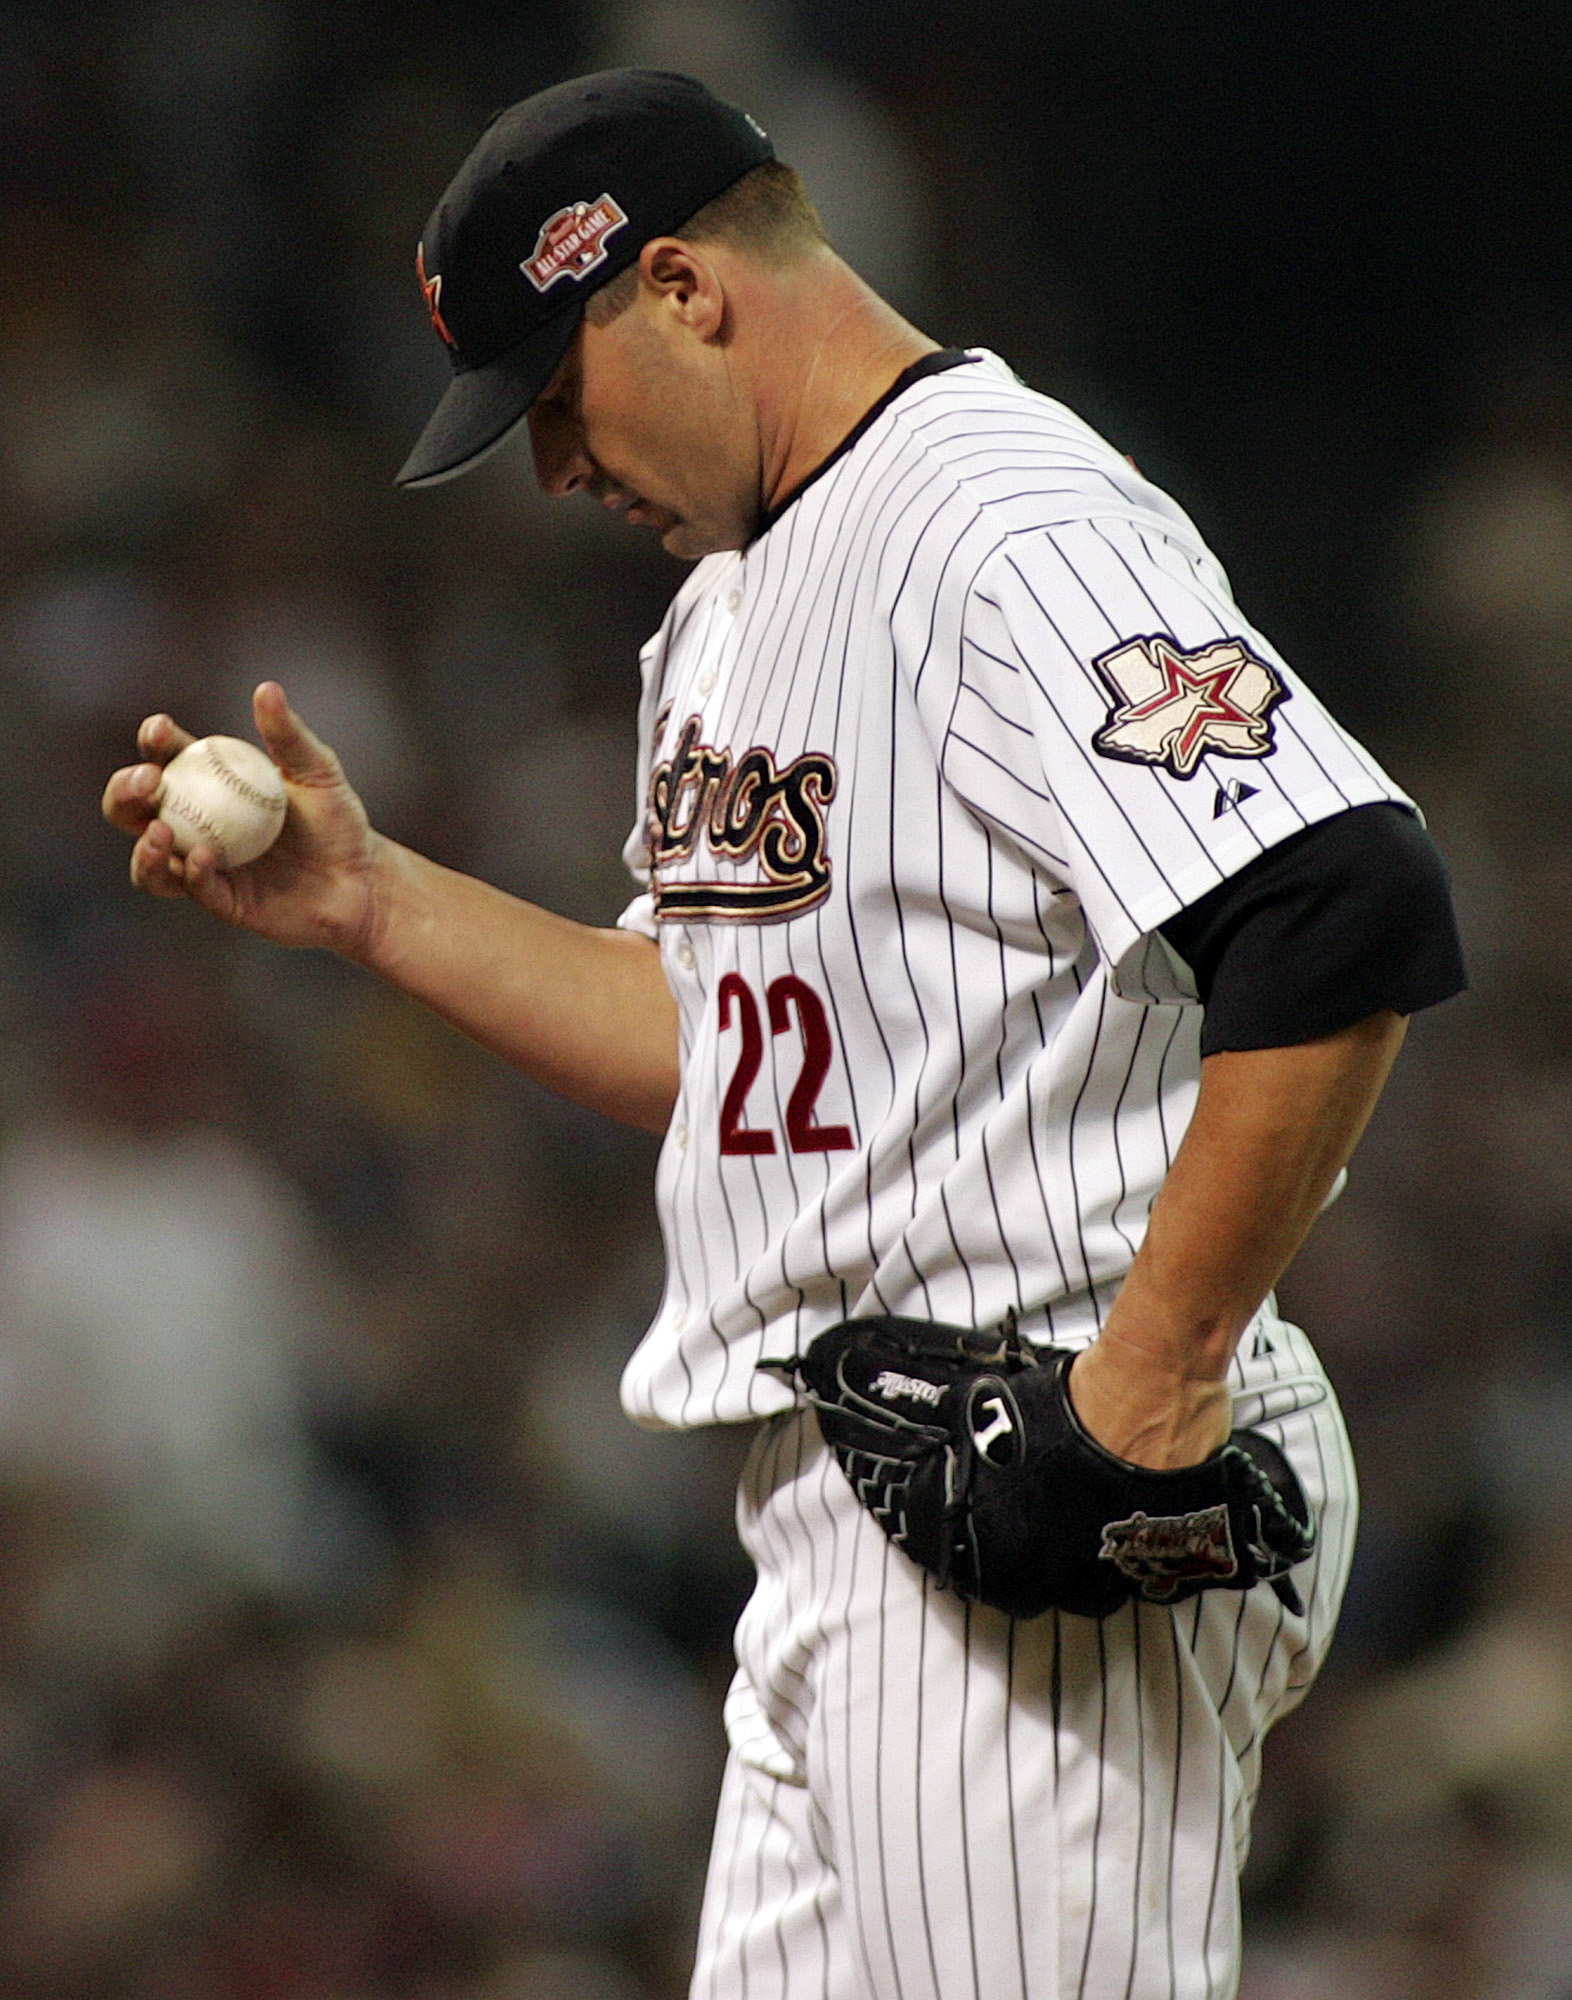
{"x": 482, "y": 405}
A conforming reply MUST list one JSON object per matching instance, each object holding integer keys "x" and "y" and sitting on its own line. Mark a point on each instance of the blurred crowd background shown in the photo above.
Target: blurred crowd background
{"x": 352, "y": 1645}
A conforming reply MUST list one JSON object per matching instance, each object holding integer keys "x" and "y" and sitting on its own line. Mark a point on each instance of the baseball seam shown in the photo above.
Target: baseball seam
{"x": 233, "y": 779}
{"x": 197, "y": 821}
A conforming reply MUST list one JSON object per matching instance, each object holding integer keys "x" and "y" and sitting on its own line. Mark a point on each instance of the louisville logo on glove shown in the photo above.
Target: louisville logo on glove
{"x": 966, "y": 1449}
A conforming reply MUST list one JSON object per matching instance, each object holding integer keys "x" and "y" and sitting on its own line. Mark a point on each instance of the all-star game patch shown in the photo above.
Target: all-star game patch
{"x": 572, "y": 243}
{"x": 1171, "y": 705}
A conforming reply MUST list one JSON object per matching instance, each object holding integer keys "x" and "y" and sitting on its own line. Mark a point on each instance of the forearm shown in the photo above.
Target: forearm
{"x": 1271, "y": 1129}
{"x": 587, "y": 1012}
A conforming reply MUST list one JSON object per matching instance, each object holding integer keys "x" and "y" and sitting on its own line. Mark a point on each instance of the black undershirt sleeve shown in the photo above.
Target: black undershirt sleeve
{"x": 1338, "y": 922}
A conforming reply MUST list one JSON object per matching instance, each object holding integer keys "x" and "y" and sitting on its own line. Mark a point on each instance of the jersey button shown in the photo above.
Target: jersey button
{"x": 707, "y": 680}
{"x": 685, "y": 955}
{"x": 734, "y": 602}
{"x": 679, "y": 1135}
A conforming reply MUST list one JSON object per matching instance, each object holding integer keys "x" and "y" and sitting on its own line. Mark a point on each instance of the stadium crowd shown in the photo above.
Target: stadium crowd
{"x": 352, "y": 1644}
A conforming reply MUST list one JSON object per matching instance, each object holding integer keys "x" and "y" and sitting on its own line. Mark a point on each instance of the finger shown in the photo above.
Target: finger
{"x": 298, "y": 753}
{"x": 161, "y": 738}
{"x": 159, "y": 871}
{"x": 131, "y": 796}
{"x": 206, "y": 883}
{"x": 156, "y": 869}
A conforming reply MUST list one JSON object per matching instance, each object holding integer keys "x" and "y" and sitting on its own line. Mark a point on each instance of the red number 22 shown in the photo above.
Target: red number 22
{"x": 818, "y": 1049}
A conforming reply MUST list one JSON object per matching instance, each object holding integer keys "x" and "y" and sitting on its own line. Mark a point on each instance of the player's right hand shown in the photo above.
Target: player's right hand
{"x": 314, "y": 886}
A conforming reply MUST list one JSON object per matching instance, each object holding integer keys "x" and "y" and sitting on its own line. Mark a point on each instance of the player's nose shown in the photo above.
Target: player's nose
{"x": 562, "y": 465}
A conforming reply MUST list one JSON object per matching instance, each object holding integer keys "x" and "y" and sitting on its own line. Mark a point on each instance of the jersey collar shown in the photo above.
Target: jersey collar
{"x": 930, "y": 364}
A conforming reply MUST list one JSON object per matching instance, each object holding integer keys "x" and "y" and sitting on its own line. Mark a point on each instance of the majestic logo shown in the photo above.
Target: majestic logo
{"x": 1170, "y": 706}
{"x": 739, "y": 809}
{"x": 1231, "y": 797}
{"x": 432, "y": 288}
{"x": 1161, "y": 1551}
{"x": 572, "y": 242}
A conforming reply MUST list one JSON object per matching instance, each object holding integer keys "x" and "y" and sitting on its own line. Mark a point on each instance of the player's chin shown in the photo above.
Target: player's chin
{"x": 692, "y": 539}
{"x": 681, "y": 538}
{"x": 645, "y": 514}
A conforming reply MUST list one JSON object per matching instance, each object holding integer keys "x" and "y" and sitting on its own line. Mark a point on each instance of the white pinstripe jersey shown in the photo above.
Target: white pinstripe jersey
{"x": 923, "y": 770}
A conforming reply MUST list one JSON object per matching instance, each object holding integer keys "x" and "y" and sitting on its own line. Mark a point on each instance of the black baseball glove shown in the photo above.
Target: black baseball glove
{"x": 965, "y": 1448}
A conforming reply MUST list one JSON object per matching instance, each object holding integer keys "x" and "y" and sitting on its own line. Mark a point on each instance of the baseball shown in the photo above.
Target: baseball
{"x": 227, "y": 792}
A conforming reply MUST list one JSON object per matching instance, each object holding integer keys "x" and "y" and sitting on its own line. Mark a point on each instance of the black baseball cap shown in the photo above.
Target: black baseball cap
{"x": 562, "y": 192}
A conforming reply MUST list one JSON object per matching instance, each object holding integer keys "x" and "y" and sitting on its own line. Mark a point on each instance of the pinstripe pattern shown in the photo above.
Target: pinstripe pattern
{"x": 929, "y": 1801}
{"x": 1009, "y": 1051}
{"x": 951, "y": 1070}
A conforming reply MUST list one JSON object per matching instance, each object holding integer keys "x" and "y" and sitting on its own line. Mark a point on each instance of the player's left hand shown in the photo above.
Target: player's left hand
{"x": 1143, "y": 1412}
{"x": 965, "y": 1447}
{"x": 315, "y": 886}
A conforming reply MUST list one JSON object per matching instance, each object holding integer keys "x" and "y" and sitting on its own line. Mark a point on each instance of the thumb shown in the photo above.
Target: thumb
{"x": 299, "y": 754}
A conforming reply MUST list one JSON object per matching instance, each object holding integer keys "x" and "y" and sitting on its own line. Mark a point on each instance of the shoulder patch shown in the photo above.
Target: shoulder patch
{"x": 1171, "y": 706}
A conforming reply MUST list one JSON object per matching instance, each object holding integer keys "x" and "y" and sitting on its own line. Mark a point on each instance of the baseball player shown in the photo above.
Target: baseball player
{"x": 1016, "y": 935}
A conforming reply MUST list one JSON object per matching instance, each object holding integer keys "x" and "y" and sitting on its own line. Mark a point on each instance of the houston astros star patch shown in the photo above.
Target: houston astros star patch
{"x": 1172, "y": 705}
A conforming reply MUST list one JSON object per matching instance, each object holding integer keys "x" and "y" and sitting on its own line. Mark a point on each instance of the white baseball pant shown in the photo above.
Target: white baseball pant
{"x": 926, "y": 1800}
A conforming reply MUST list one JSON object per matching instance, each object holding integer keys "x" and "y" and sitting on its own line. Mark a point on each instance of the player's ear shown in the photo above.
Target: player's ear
{"x": 686, "y": 283}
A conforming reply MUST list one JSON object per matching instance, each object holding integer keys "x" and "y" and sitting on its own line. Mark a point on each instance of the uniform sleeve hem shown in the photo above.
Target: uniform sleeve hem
{"x": 1136, "y": 971}
{"x": 639, "y": 917}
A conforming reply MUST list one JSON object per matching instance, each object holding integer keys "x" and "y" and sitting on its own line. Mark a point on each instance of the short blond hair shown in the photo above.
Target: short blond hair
{"x": 768, "y": 212}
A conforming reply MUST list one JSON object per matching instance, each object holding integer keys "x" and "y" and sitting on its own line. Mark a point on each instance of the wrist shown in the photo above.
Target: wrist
{"x": 1139, "y": 1344}
{"x": 1167, "y": 1327}
{"x": 367, "y": 935}
{"x": 1147, "y": 1409}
